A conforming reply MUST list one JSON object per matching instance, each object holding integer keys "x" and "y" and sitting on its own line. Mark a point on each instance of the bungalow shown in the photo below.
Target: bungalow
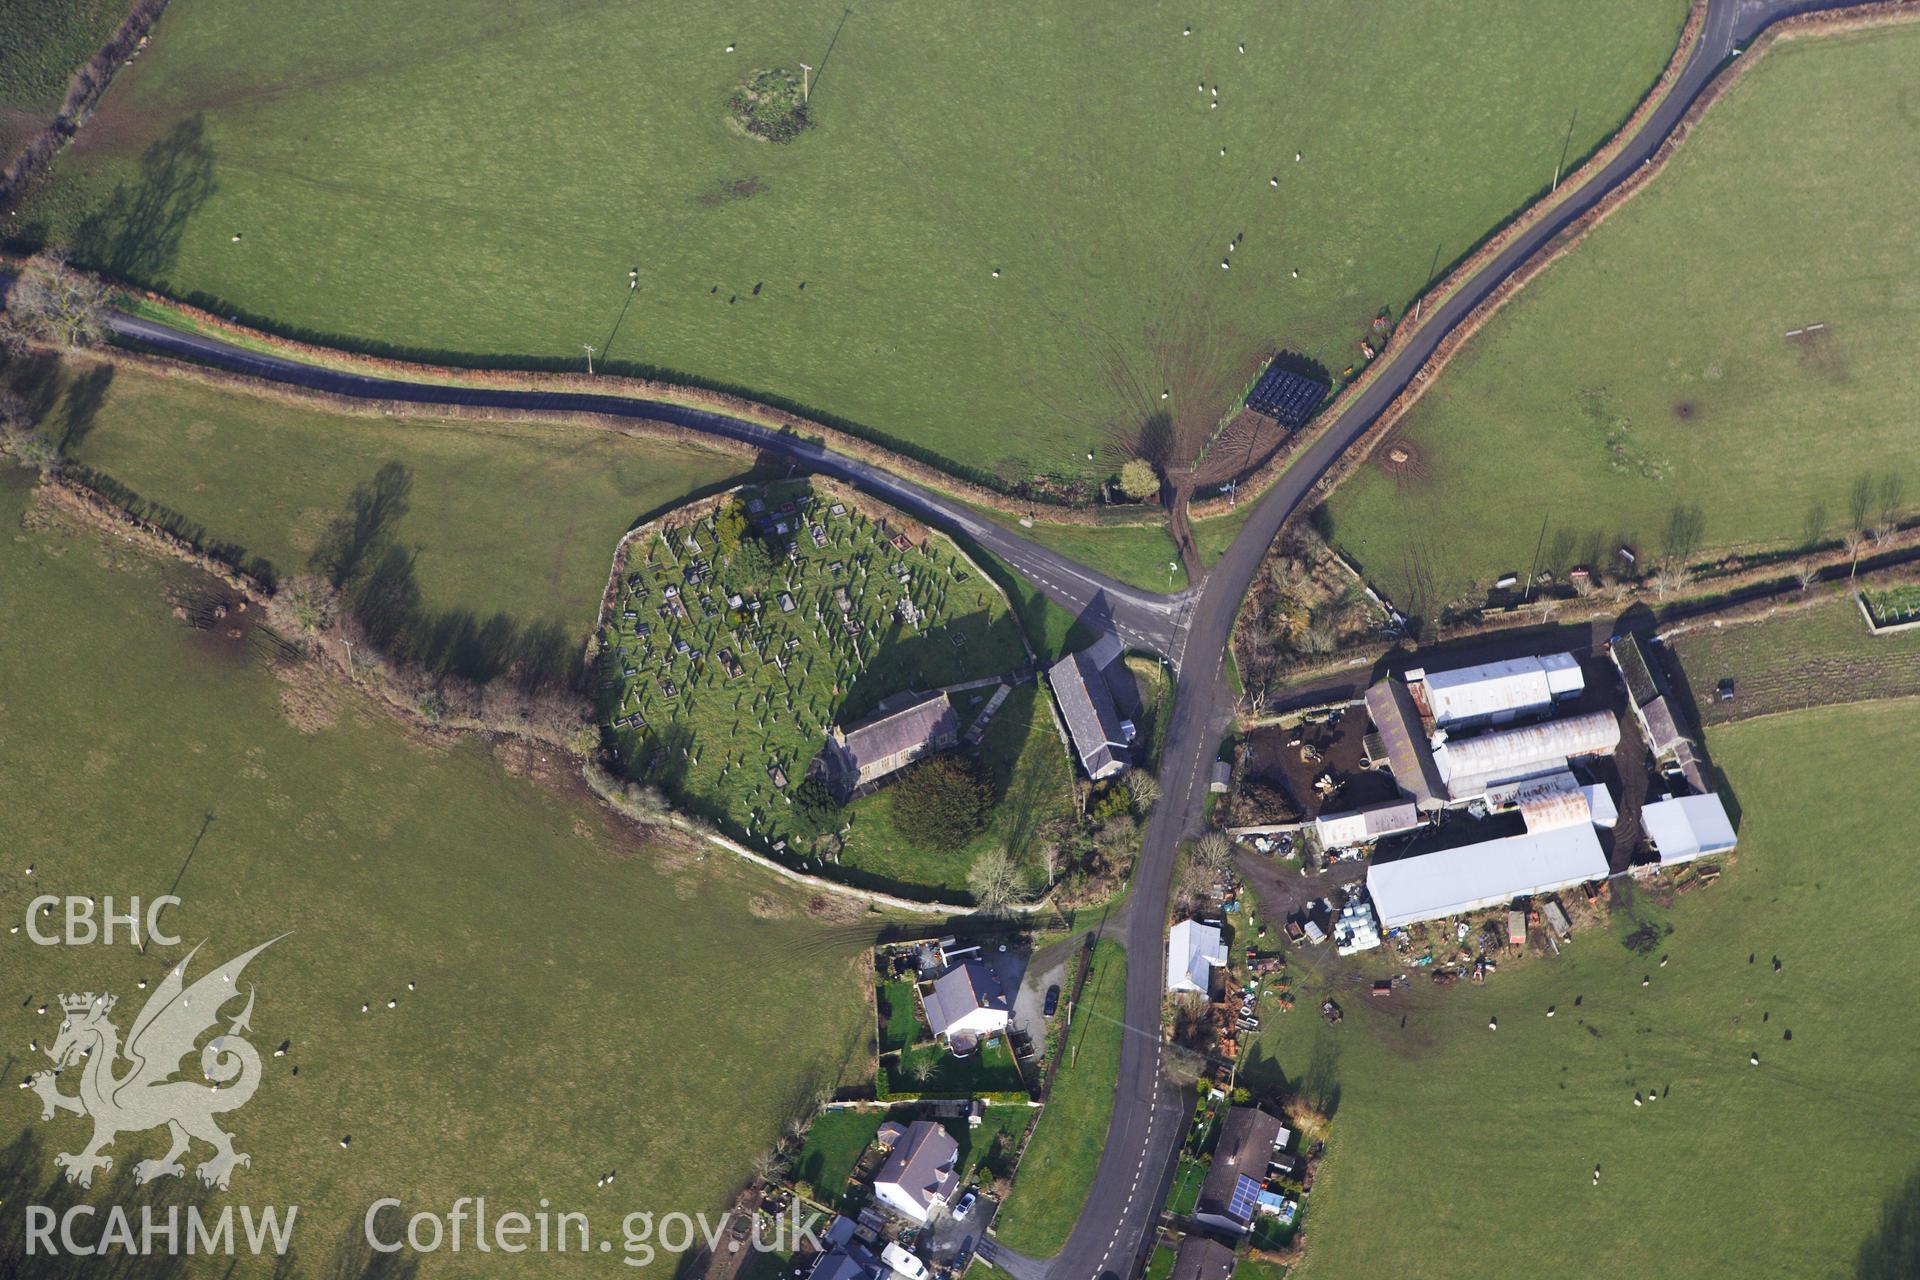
{"x": 1194, "y": 951}
{"x": 966, "y": 1003}
{"x": 921, "y": 1172}
{"x": 1228, "y": 1197}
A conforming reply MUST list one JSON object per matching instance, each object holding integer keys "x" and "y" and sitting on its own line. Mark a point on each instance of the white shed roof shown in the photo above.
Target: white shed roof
{"x": 1507, "y": 688}
{"x": 1600, "y": 801}
{"x": 1687, "y": 827}
{"x": 1193, "y": 949}
{"x": 1359, "y": 826}
{"x": 1446, "y": 883}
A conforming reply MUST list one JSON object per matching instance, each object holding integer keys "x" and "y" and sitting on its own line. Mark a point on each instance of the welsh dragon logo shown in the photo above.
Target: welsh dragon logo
{"x": 130, "y": 1088}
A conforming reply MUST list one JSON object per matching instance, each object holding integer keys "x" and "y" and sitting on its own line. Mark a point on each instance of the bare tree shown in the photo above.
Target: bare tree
{"x": 996, "y": 884}
{"x": 1854, "y": 540}
{"x": 303, "y": 607}
{"x": 1893, "y": 492}
{"x": 770, "y": 1165}
{"x": 920, "y": 1070}
{"x": 53, "y": 302}
{"x": 1146, "y": 790}
{"x": 1213, "y": 853}
{"x": 1805, "y": 574}
{"x": 1671, "y": 578}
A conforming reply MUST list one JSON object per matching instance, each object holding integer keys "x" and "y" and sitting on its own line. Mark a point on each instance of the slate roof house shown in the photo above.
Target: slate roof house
{"x": 966, "y": 1003}
{"x": 1248, "y": 1139}
{"x": 922, "y": 1171}
{"x": 886, "y": 742}
{"x": 1202, "y": 1259}
{"x": 1101, "y": 739}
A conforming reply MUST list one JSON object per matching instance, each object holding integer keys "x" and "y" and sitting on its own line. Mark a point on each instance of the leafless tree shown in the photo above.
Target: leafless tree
{"x": 996, "y": 884}
{"x": 1213, "y": 853}
{"x": 1671, "y": 578}
{"x": 1805, "y": 574}
{"x": 1146, "y": 790}
{"x": 770, "y": 1165}
{"x": 1860, "y": 502}
{"x": 55, "y": 303}
{"x": 303, "y": 607}
{"x": 1854, "y": 540}
{"x": 920, "y": 1070}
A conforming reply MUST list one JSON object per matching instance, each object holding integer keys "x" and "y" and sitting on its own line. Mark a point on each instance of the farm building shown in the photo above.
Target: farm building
{"x": 1364, "y": 826}
{"x": 1653, "y": 705}
{"x": 1687, "y": 827}
{"x": 1497, "y": 692}
{"x": 1202, "y": 1259}
{"x": 1404, "y": 741}
{"x": 1470, "y": 766}
{"x": 967, "y": 1003}
{"x": 1101, "y": 739}
{"x": 1229, "y": 1196}
{"x": 921, "y": 1171}
{"x": 1194, "y": 951}
{"x": 887, "y": 743}
{"x": 1549, "y": 801}
{"x": 1447, "y": 882}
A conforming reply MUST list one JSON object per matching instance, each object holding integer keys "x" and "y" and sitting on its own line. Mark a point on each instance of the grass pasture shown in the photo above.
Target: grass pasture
{"x": 42, "y": 43}
{"x": 1809, "y": 657}
{"x": 512, "y": 518}
{"x": 572, "y": 999}
{"x": 549, "y": 151}
{"x": 1650, "y": 371}
{"x": 1480, "y": 1139}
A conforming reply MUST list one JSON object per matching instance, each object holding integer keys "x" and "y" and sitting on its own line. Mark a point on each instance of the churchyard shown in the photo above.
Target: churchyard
{"x": 742, "y": 629}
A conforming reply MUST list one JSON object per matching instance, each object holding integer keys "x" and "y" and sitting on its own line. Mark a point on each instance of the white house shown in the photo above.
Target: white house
{"x": 921, "y": 1171}
{"x": 1193, "y": 951}
{"x": 967, "y": 1001}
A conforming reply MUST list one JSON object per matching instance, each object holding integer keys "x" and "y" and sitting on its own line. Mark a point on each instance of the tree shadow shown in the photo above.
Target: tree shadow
{"x": 80, "y": 406}
{"x": 1892, "y": 1252}
{"x": 137, "y": 235}
{"x": 378, "y": 580}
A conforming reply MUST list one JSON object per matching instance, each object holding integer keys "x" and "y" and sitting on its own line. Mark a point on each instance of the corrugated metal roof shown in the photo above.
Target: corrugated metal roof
{"x": 1193, "y": 949}
{"x": 1445, "y": 883}
{"x": 1510, "y": 687}
{"x": 1687, "y": 827}
{"x": 1369, "y": 823}
{"x": 1471, "y": 765}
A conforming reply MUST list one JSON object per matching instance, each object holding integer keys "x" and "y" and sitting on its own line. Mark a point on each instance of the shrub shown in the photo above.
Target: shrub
{"x": 771, "y": 105}
{"x": 942, "y": 801}
{"x": 1138, "y": 480}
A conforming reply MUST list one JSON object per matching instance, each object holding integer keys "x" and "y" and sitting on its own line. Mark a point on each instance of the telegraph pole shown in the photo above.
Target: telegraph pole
{"x": 806, "y": 79}
{"x": 589, "y": 347}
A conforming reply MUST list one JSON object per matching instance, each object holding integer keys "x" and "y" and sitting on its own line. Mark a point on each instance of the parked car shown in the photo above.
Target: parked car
{"x": 1053, "y": 1001}
{"x": 963, "y": 1206}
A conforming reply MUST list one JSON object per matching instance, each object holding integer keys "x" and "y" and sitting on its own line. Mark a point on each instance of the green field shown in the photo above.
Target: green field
{"x": 1484, "y": 1143}
{"x": 547, "y": 151}
{"x": 42, "y": 43}
{"x": 711, "y": 737}
{"x": 1057, "y": 1170}
{"x": 1821, "y": 654}
{"x": 1648, "y": 372}
{"x": 572, "y": 999}
{"x": 515, "y": 518}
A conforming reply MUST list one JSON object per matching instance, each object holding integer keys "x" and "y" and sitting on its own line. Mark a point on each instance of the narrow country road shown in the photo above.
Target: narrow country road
{"x": 1143, "y": 619}
{"x": 1191, "y": 629}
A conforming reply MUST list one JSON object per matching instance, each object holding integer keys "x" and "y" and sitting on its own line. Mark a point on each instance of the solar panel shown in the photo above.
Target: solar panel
{"x": 1246, "y": 1194}
{"x": 1287, "y": 397}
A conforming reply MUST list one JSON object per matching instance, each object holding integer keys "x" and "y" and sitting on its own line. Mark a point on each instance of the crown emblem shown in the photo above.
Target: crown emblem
{"x": 88, "y": 1002}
